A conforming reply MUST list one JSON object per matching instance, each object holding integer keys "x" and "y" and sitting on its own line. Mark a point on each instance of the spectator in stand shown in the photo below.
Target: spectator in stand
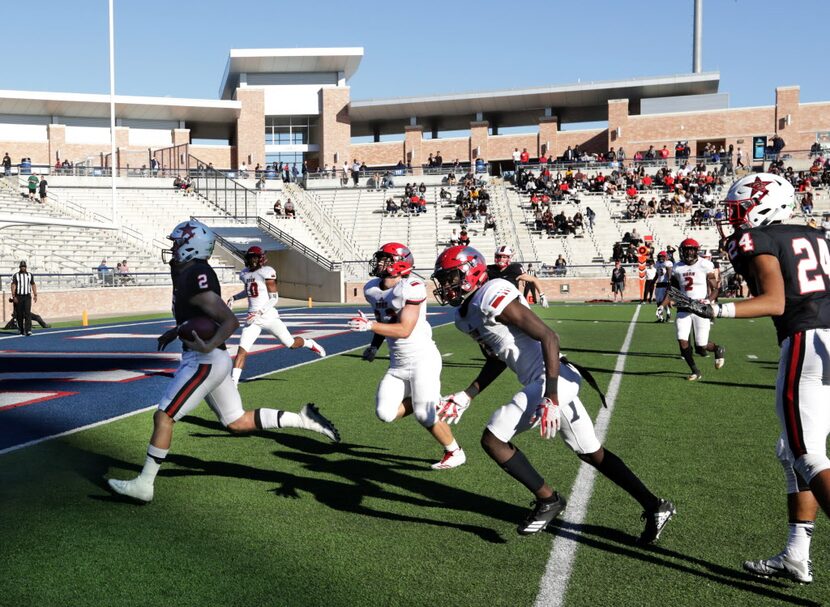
{"x": 621, "y": 155}
{"x": 825, "y": 223}
{"x": 105, "y": 273}
{"x": 7, "y": 165}
{"x": 664, "y": 153}
{"x": 278, "y": 208}
{"x": 590, "y": 215}
{"x": 517, "y": 158}
{"x": 618, "y": 281}
{"x": 651, "y": 153}
{"x": 560, "y": 266}
{"x": 289, "y": 209}
{"x": 43, "y": 185}
{"x": 391, "y": 207}
{"x": 651, "y": 276}
{"x": 463, "y": 239}
{"x": 33, "y": 182}
{"x": 439, "y": 160}
{"x": 355, "y": 172}
{"x": 125, "y": 274}
{"x": 524, "y": 157}
{"x": 807, "y": 203}
{"x": 489, "y": 223}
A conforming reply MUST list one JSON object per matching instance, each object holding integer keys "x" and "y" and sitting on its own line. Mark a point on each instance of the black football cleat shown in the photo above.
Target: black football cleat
{"x": 656, "y": 520}
{"x": 542, "y": 513}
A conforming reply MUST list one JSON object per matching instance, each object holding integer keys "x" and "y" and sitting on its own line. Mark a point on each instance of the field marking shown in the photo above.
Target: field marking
{"x": 554, "y": 581}
{"x": 144, "y": 409}
{"x": 752, "y": 357}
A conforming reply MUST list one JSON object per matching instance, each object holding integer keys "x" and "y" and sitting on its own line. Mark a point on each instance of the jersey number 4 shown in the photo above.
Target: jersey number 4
{"x": 810, "y": 279}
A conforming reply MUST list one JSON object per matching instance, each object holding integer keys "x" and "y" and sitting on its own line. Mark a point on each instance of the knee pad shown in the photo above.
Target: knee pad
{"x": 387, "y": 414}
{"x": 701, "y": 351}
{"x": 810, "y": 464}
{"x": 425, "y": 413}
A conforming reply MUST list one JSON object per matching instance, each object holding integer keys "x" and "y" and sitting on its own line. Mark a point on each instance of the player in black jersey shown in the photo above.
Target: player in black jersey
{"x": 205, "y": 368}
{"x": 787, "y": 268}
{"x": 514, "y": 272}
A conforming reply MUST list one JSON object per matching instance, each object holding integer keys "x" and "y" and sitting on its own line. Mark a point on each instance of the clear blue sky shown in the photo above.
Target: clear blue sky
{"x": 179, "y": 48}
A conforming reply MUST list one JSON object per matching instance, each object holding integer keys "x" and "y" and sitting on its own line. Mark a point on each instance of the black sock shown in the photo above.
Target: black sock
{"x": 687, "y": 355}
{"x": 521, "y": 469}
{"x": 615, "y": 469}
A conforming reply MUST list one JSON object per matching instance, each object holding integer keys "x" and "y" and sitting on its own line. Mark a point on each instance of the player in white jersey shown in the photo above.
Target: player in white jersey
{"x": 260, "y": 282}
{"x": 412, "y": 385}
{"x": 661, "y": 287}
{"x": 495, "y": 314}
{"x": 696, "y": 278}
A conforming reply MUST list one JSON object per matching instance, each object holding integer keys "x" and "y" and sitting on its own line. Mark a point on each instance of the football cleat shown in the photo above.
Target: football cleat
{"x": 451, "y": 459}
{"x": 694, "y": 376}
{"x": 656, "y": 520}
{"x": 315, "y": 421}
{"x": 315, "y": 347}
{"x": 720, "y": 352}
{"x": 781, "y": 565}
{"x": 136, "y": 488}
{"x": 542, "y": 513}
{"x": 369, "y": 354}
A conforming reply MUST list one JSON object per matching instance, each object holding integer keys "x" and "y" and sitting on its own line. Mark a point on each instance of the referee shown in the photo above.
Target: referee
{"x": 23, "y": 290}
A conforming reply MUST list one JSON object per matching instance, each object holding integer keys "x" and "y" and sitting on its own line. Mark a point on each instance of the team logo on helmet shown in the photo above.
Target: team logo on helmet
{"x": 459, "y": 271}
{"x": 758, "y": 200}
{"x": 392, "y": 259}
{"x": 503, "y": 255}
{"x": 191, "y": 240}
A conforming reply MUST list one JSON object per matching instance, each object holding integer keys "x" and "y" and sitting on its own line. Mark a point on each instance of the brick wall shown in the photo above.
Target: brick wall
{"x": 250, "y": 127}
{"x": 220, "y": 156}
{"x": 375, "y": 154}
{"x": 335, "y": 126}
{"x": 502, "y": 146}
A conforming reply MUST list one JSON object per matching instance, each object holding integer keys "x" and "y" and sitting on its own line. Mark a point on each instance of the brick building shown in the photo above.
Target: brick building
{"x": 295, "y": 105}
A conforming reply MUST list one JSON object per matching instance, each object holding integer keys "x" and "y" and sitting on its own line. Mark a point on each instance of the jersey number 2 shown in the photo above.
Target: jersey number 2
{"x": 809, "y": 279}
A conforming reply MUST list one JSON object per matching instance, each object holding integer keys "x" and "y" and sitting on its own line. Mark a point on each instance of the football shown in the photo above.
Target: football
{"x": 204, "y": 327}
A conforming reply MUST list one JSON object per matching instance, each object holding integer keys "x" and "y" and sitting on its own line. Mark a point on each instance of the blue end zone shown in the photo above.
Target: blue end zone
{"x": 63, "y": 379}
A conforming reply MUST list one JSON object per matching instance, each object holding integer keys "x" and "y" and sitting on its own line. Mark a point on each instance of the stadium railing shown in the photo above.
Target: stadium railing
{"x": 96, "y": 278}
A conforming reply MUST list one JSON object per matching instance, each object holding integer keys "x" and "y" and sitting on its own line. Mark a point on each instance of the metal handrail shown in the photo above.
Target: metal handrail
{"x": 207, "y": 181}
{"x": 298, "y": 246}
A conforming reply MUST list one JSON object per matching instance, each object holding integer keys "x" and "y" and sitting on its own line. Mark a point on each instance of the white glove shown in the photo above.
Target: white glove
{"x": 360, "y": 323}
{"x": 369, "y": 354}
{"x": 543, "y": 300}
{"x": 252, "y": 316}
{"x": 230, "y": 302}
{"x": 547, "y": 417}
{"x": 452, "y": 407}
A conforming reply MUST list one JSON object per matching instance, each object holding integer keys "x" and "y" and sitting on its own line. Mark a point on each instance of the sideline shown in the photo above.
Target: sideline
{"x": 554, "y": 583}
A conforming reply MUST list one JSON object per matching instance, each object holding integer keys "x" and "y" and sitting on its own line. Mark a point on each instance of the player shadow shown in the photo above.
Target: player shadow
{"x": 620, "y": 543}
{"x": 361, "y": 475}
{"x": 568, "y": 350}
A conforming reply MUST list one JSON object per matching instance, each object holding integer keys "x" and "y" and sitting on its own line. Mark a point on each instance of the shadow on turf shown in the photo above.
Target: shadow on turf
{"x": 622, "y": 544}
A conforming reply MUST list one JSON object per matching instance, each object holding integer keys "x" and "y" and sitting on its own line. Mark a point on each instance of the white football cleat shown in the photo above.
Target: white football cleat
{"x": 781, "y": 565}
{"x": 315, "y": 421}
{"x": 451, "y": 459}
{"x": 136, "y": 488}
{"x": 694, "y": 377}
{"x": 720, "y": 357}
{"x": 314, "y": 347}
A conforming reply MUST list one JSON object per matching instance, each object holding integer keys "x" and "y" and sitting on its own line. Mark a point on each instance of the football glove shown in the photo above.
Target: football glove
{"x": 547, "y": 418}
{"x": 360, "y": 323}
{"x": 252, "y": 316}
{"x": 684, "y": 303}
{"x": 369, "y": 354}
{"x": 543, "y": 300}
{"x": 230, "y": 302}
{"x": 452, "y": 407}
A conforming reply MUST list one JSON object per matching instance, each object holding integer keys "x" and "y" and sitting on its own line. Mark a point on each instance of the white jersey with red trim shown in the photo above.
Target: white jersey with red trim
{"x": 692, "y": 278}
{"x": 664, "y": 270}
{"x": 388, "y": 305}
{"x": 255, "y": 287}
{"x": 477, "y": 318}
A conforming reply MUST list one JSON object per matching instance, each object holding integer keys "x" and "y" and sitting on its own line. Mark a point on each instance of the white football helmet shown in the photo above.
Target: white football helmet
{"x": 191, "y": 240}
{"x": 503, "y": 255}
{"x": 758, "y": 200}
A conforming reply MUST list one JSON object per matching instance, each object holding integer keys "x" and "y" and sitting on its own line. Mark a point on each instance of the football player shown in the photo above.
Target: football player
{"x": 260, "y": 282}
{"x": 493, "y": 313}
{"x": 205, "y": 368}
{"x": 787, "y": 269}
{"x": 661, "y": 287}
{"x": 412, "y": 385}
{"x": 696, "y": 278}
{"x": 514, "y": 272}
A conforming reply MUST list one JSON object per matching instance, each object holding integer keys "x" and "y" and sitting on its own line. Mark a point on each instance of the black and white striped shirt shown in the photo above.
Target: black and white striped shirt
{"x": 24, "y": 282}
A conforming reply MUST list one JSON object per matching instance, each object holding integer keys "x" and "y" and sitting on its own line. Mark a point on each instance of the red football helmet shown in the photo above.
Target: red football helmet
{"x": 503, "y": 255}
{"x": 255, "y": 258}
{"x": 689, "y": 250}
{"x": 661, "y": 256}
{"x": 392, "y": 259}
{"x": 459, "y": 271}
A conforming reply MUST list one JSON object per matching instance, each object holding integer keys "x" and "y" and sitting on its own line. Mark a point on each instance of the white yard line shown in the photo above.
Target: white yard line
{"x": 554, "y": 582}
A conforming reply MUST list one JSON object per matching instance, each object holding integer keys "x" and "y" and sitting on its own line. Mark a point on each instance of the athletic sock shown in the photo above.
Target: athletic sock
{"x": 453, "y": 446}
{"x": 266, "y": 419}
{"x": 613, "y": 468}
{"x": 798, "y": 544}
{"x": 521, "y": 469}
{"x": 687, "y": 355}
{"x": 236, "y": 374}
{"x": 155, "y": 458}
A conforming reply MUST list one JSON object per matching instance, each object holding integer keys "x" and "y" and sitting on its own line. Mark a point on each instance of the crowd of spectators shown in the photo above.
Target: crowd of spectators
{"x": 183, "y": 185}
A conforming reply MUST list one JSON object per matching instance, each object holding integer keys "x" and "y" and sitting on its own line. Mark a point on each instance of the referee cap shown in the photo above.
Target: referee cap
{"x": 22, "y": 263}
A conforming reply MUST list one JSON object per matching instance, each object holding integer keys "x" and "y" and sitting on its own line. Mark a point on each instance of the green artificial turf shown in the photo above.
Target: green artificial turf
{"x": 285, "y": 518}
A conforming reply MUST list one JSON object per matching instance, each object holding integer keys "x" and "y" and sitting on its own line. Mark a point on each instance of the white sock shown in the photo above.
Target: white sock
{"x": 798, "y": 544}
{"x": 453, "y": 446}
{"x": 275, "y": 418}
{"x": 236, "y": 374}
{"x": 155, "y": 457}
